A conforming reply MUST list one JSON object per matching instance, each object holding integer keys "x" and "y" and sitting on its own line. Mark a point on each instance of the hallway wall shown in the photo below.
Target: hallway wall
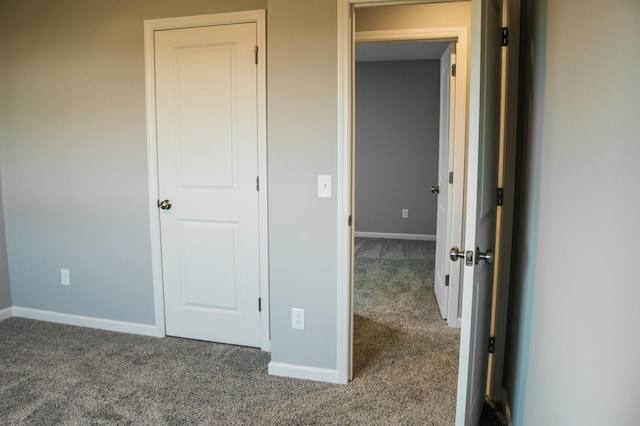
{"x": 397, "y": 136}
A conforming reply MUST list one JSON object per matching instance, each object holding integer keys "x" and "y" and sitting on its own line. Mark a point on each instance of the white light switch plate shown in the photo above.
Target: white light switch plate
{"x": 324, "y": 186}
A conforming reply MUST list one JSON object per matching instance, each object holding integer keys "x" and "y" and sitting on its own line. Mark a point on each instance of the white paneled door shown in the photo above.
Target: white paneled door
{"x": 443, "y": 224}
{"x": 207, "y": 141}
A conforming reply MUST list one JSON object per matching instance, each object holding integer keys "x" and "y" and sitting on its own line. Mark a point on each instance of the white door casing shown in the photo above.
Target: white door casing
{"x": 443, "y": 225}
{"x": 480, "y": 212}
{"x": 205, "y": 100}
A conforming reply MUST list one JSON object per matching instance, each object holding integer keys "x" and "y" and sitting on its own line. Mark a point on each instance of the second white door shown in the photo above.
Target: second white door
{"x": 207, "y": 140}
{"x": 443, "y": 225}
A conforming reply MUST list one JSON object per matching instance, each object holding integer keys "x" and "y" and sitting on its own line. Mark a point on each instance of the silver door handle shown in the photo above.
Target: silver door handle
{"x": 435, "y": 189}
{"x": 487, "y": 256}
{"x": 456, "y": 253}
{"x": 164, "y": 204}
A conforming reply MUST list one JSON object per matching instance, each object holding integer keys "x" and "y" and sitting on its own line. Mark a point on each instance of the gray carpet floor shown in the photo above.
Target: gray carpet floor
{"x": 405, "y": 365}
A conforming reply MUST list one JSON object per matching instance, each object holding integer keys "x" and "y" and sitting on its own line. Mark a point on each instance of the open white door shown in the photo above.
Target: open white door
{"x": 443, "y": 227}
{"x": 480, "y": 215}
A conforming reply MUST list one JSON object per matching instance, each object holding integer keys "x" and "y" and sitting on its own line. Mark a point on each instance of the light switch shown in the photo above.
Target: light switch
{"x": 324, "y": 186}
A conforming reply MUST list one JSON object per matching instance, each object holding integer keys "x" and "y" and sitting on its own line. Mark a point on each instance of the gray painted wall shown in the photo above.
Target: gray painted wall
{"x": 574, "y": 348}
{"x": 397, "y": 135}
{"x": 5, "y": 291}
{"x": 75, "y": 160}
{"x": 302, "y": 107}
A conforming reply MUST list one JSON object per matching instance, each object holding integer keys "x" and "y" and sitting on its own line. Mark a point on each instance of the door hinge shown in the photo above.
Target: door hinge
{"x": 257, "y": 183}
{"x": 505, "y": 36}
{"x": 453, "y": 70}
{"x": 499, "y": 196}
{"x": 350, "y": 220}
{"x": 492, "y": 344}
{"x": 255, "y": 50}
{"x": 450, "y": 177}
{"x": 259, "y": 304}
{"x": 446, "y": 280}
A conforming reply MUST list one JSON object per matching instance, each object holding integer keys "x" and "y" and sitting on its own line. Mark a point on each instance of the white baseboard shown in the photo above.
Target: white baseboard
{"x": 6, "y": 313}
{"x": 392, "y": 236}
{"x": 458, "y": 323}
{"x": 91, "y": 322}
{"x": 303, "y": 372}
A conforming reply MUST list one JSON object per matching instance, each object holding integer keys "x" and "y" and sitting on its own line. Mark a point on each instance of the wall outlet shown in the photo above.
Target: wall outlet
{"x": 405, "y": 213}
{"x": 64, "y": 277}
{"x": 297, "y": 319}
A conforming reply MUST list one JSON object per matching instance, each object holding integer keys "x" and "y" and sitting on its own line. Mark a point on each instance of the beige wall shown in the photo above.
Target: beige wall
{"x": 436, "y": 15}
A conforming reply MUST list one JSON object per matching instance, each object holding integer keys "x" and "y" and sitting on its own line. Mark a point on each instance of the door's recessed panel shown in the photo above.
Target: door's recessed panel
{"x": 209, "y": 265}
{"x": 205, "y": 96}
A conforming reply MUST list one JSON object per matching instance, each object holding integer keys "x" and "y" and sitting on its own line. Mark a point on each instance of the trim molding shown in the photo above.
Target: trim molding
{"x": 150, "y": 26}
{"x": 344, "y": 251}
{"x": 90, "y": 322}
{"x": 6, "y": 313}
{"x": 394, "y": 236}
{"x": 304, "y": 372}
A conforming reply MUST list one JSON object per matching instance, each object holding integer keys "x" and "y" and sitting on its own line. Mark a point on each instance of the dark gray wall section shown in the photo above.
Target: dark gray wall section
{"x": 5, "y": 291}
{"x": 397, "y": 130}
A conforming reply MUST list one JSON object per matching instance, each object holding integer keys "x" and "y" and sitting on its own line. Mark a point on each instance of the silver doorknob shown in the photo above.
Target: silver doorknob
{"x": 456, "y": 253}
{"x": 164, "y": 204}
{"x": 435, "y": 189}
{"x": 486, "y": 256}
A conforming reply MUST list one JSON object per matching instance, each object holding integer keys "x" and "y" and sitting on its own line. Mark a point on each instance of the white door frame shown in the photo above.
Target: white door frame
{"x": 150, "y": 26}
{"x": 344, "y": 178}
{"x": 457, "y": 152}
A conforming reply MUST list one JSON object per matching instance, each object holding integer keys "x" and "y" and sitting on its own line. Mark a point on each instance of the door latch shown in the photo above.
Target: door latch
{"x": 456, "y": 254}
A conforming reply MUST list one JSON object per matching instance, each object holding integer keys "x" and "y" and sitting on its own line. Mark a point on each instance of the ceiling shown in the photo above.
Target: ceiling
{"x": 405, "y": 51}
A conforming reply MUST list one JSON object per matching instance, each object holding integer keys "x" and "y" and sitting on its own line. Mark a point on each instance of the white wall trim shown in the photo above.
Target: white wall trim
{"x": 395, "y": 236}
{"x": 304, "y": 372}
{"x": 430, "y": 34}
{"x": 150, "y": 26}
{"x": 6, "y": 313}
{"x": 90, "y": 322}
{"x": 344, "y": 308}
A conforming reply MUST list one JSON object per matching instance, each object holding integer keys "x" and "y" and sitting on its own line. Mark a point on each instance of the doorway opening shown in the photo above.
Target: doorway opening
{"x": 410, "y": 134}
{"x": 410, "y": 125}
{"x": 402, "y": 128}
{"x": 404, "y": 119}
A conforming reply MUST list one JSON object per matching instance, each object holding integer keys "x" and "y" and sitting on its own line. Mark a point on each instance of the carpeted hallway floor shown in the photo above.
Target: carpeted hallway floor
{"x": 405, "y": 365}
